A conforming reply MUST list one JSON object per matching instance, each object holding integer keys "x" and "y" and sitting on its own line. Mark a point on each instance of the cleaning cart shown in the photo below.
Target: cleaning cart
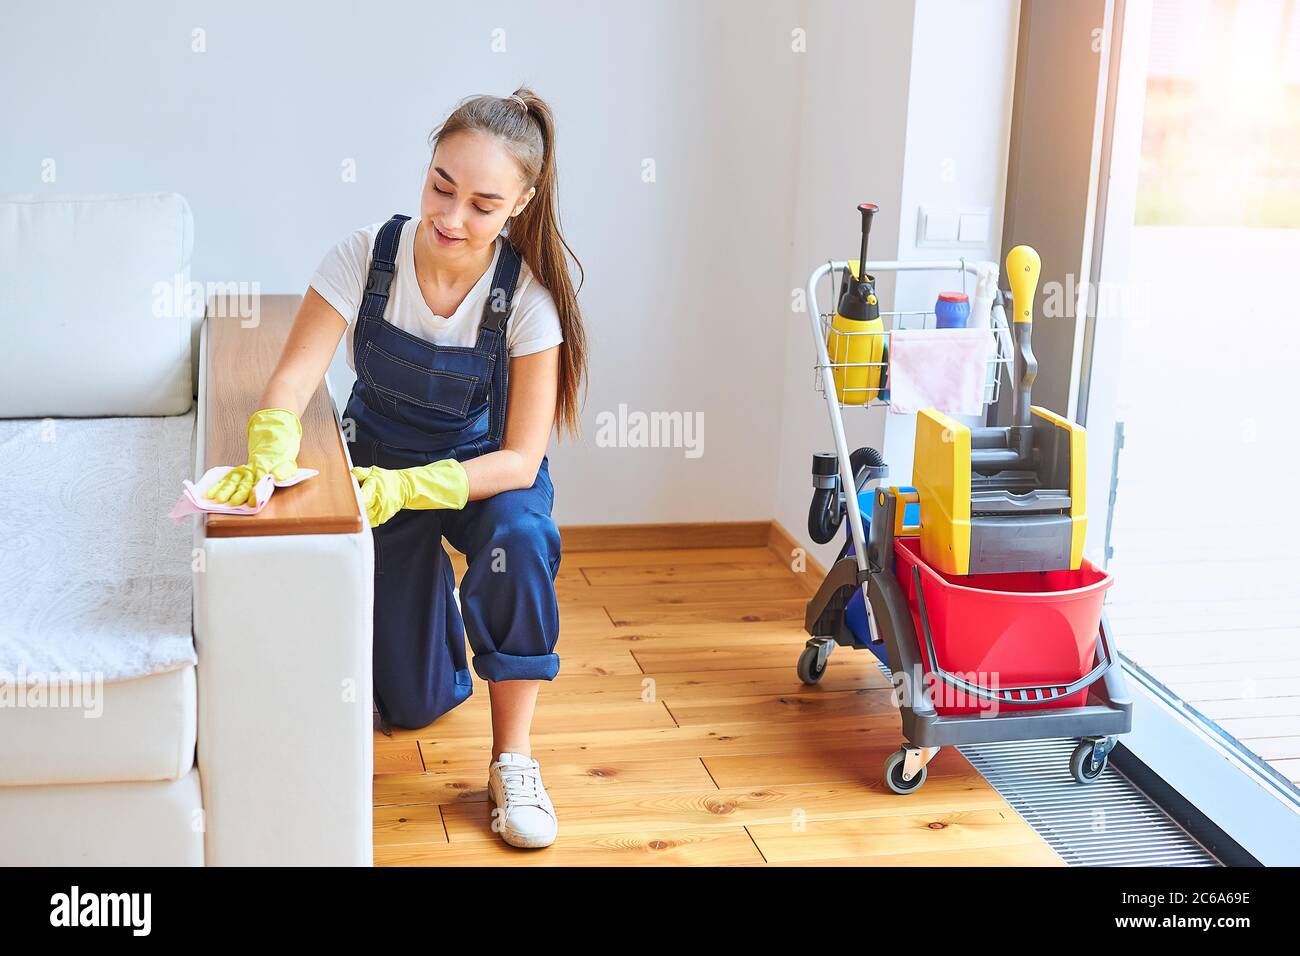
{"x": 970, "y": 585}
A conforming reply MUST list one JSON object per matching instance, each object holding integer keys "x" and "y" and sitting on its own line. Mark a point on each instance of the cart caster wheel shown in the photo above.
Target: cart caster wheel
{"x": 808, "y": 670}
{"x": 1083, "y": 767}
{"x": 894, "y": 774}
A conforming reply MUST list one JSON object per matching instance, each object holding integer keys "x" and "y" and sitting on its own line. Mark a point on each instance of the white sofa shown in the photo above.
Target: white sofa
{"x": 213, "y": 722}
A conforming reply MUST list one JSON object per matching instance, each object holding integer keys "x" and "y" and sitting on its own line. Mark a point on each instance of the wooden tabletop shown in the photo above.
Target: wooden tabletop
{"x": 243, "y": 348}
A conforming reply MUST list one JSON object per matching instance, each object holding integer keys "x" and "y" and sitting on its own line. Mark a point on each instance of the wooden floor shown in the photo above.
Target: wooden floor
{"x": 678, "y": 734}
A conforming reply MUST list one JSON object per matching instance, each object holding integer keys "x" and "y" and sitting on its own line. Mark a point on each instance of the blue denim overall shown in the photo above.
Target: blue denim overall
{"x": 413, "y": 403}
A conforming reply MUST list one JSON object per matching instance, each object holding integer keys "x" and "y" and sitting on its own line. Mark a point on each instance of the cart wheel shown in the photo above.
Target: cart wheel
{"x": 1082, "y": 767}
{"x": 894, "y": 774}
{"x": 808, "y": 670}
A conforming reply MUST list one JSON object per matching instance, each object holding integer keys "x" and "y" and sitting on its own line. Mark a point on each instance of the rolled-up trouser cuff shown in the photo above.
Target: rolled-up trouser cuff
{"x": 498, "y": 666}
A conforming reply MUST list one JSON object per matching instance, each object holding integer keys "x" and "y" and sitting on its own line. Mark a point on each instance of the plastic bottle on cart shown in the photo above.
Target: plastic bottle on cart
{"x": 857, "y": 337}
{"x": 981, "y": 317}
{"x": 951, "y": 311}
{"x": 981, "y": 309}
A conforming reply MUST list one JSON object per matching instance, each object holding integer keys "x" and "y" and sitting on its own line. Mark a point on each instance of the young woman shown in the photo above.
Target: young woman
{"x": 463, "y": 329}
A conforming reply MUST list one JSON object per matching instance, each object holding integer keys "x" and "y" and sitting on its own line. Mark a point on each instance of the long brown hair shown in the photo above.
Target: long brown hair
{"x": 529, "y": 134}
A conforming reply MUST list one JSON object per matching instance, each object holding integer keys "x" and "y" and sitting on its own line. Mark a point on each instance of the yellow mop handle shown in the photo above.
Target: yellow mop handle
{"x": 1023, "y": 267}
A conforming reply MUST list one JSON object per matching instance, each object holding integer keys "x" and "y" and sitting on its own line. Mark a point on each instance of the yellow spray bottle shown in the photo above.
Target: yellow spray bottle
{"x": 856, "y": 339}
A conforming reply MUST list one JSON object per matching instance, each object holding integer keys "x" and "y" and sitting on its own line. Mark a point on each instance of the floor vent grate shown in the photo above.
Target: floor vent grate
{"x": 1105, "y": 823}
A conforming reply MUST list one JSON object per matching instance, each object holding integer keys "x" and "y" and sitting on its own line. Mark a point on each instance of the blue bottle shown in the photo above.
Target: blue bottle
{"x": 952, "y": 311}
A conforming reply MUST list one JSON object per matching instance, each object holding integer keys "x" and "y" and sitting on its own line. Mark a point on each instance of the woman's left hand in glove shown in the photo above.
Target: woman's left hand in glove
{"x": 386, "y": 491}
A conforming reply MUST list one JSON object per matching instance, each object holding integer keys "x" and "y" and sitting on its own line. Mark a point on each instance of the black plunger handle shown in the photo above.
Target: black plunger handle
{"x": 868, "y": 210}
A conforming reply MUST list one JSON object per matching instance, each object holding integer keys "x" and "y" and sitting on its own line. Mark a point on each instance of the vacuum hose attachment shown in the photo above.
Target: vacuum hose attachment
{"x": 827, "y": 509}
{"x": 866, "y": 464}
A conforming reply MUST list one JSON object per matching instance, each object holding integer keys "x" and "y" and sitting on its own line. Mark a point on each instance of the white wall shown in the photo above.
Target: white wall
{"x": 688, "y": 294}
{"x": 852, "y": 138}
{"x": 938, "y": 91}
{"x": 682, "y": 273}
{"x": 958, "y": 131}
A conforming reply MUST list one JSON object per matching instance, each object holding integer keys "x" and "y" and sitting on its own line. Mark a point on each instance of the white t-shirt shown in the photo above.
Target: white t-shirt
{"x": 340, "y": 279}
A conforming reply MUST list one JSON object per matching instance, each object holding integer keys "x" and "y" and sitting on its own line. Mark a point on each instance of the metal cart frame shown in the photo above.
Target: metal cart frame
{"x": 870, "y": 567}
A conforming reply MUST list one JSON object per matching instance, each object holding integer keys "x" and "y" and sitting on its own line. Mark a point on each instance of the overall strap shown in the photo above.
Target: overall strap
{"x": 383, "y": 265}
{"x": 492, "y": 335}
{"x": 496, "y": 310}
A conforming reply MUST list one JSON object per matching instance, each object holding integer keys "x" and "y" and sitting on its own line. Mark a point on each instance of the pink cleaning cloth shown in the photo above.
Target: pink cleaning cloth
{"x": 192, "y": 502}
{"x": 938, "y": 368}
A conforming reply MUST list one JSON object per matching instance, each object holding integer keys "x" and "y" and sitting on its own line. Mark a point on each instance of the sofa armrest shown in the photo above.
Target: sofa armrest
{"x": 283, "y": 605}
{"x": 237, "y": 366}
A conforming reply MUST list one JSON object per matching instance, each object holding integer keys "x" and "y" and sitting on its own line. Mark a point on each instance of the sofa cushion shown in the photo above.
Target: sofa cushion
{"x": 140, "y": 729}
{"x": 94, "y": 577}
{"x": 145, "y": 823}
{"x": 96, "y": 307}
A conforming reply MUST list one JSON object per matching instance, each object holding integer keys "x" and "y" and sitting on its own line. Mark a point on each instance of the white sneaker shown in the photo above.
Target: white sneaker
{"x": 523, "y": 814}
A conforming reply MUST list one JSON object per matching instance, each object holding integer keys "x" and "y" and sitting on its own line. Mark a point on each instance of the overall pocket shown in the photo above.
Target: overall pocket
{"x": 441, "y": 389}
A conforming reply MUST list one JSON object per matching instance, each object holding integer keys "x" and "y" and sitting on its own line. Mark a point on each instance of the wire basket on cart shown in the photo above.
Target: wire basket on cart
{"x": 838, "y": 342}
{"x": 863, "y": 604}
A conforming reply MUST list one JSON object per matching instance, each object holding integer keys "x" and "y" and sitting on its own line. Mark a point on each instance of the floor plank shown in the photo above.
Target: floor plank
{"x": 405, "y": 826}
{"x": 1023, "y": 854}
{"x": 397, "y": 756}
{"x": 705, "y": 740}
{"x": 790, "y": 807}
{"x": 892, "y": 834}
{"x": 719, "y": 847}
{"x": 463, "y": 779}
{"x": 708, "y": 612}
{"x": 667, "y": 575}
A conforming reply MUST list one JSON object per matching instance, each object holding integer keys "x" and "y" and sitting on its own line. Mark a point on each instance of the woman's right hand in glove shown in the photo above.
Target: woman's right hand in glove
{"x": 274, "y": 438}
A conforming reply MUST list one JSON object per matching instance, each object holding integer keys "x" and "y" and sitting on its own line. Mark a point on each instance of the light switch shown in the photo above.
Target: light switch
{"x": 940, "y": 226}
{"x": 974, "y": 227}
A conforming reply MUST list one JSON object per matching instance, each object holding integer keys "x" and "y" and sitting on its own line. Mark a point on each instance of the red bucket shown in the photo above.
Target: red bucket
{"x": 1025, "y": 628}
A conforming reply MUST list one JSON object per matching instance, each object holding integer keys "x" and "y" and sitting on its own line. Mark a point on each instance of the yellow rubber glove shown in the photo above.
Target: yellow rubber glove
{"x": 386, "y": 491}
{"x": 274, "y": 438}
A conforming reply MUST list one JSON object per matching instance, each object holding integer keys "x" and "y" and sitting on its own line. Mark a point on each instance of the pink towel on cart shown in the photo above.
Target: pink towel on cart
{"x": 938, "y": 368}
